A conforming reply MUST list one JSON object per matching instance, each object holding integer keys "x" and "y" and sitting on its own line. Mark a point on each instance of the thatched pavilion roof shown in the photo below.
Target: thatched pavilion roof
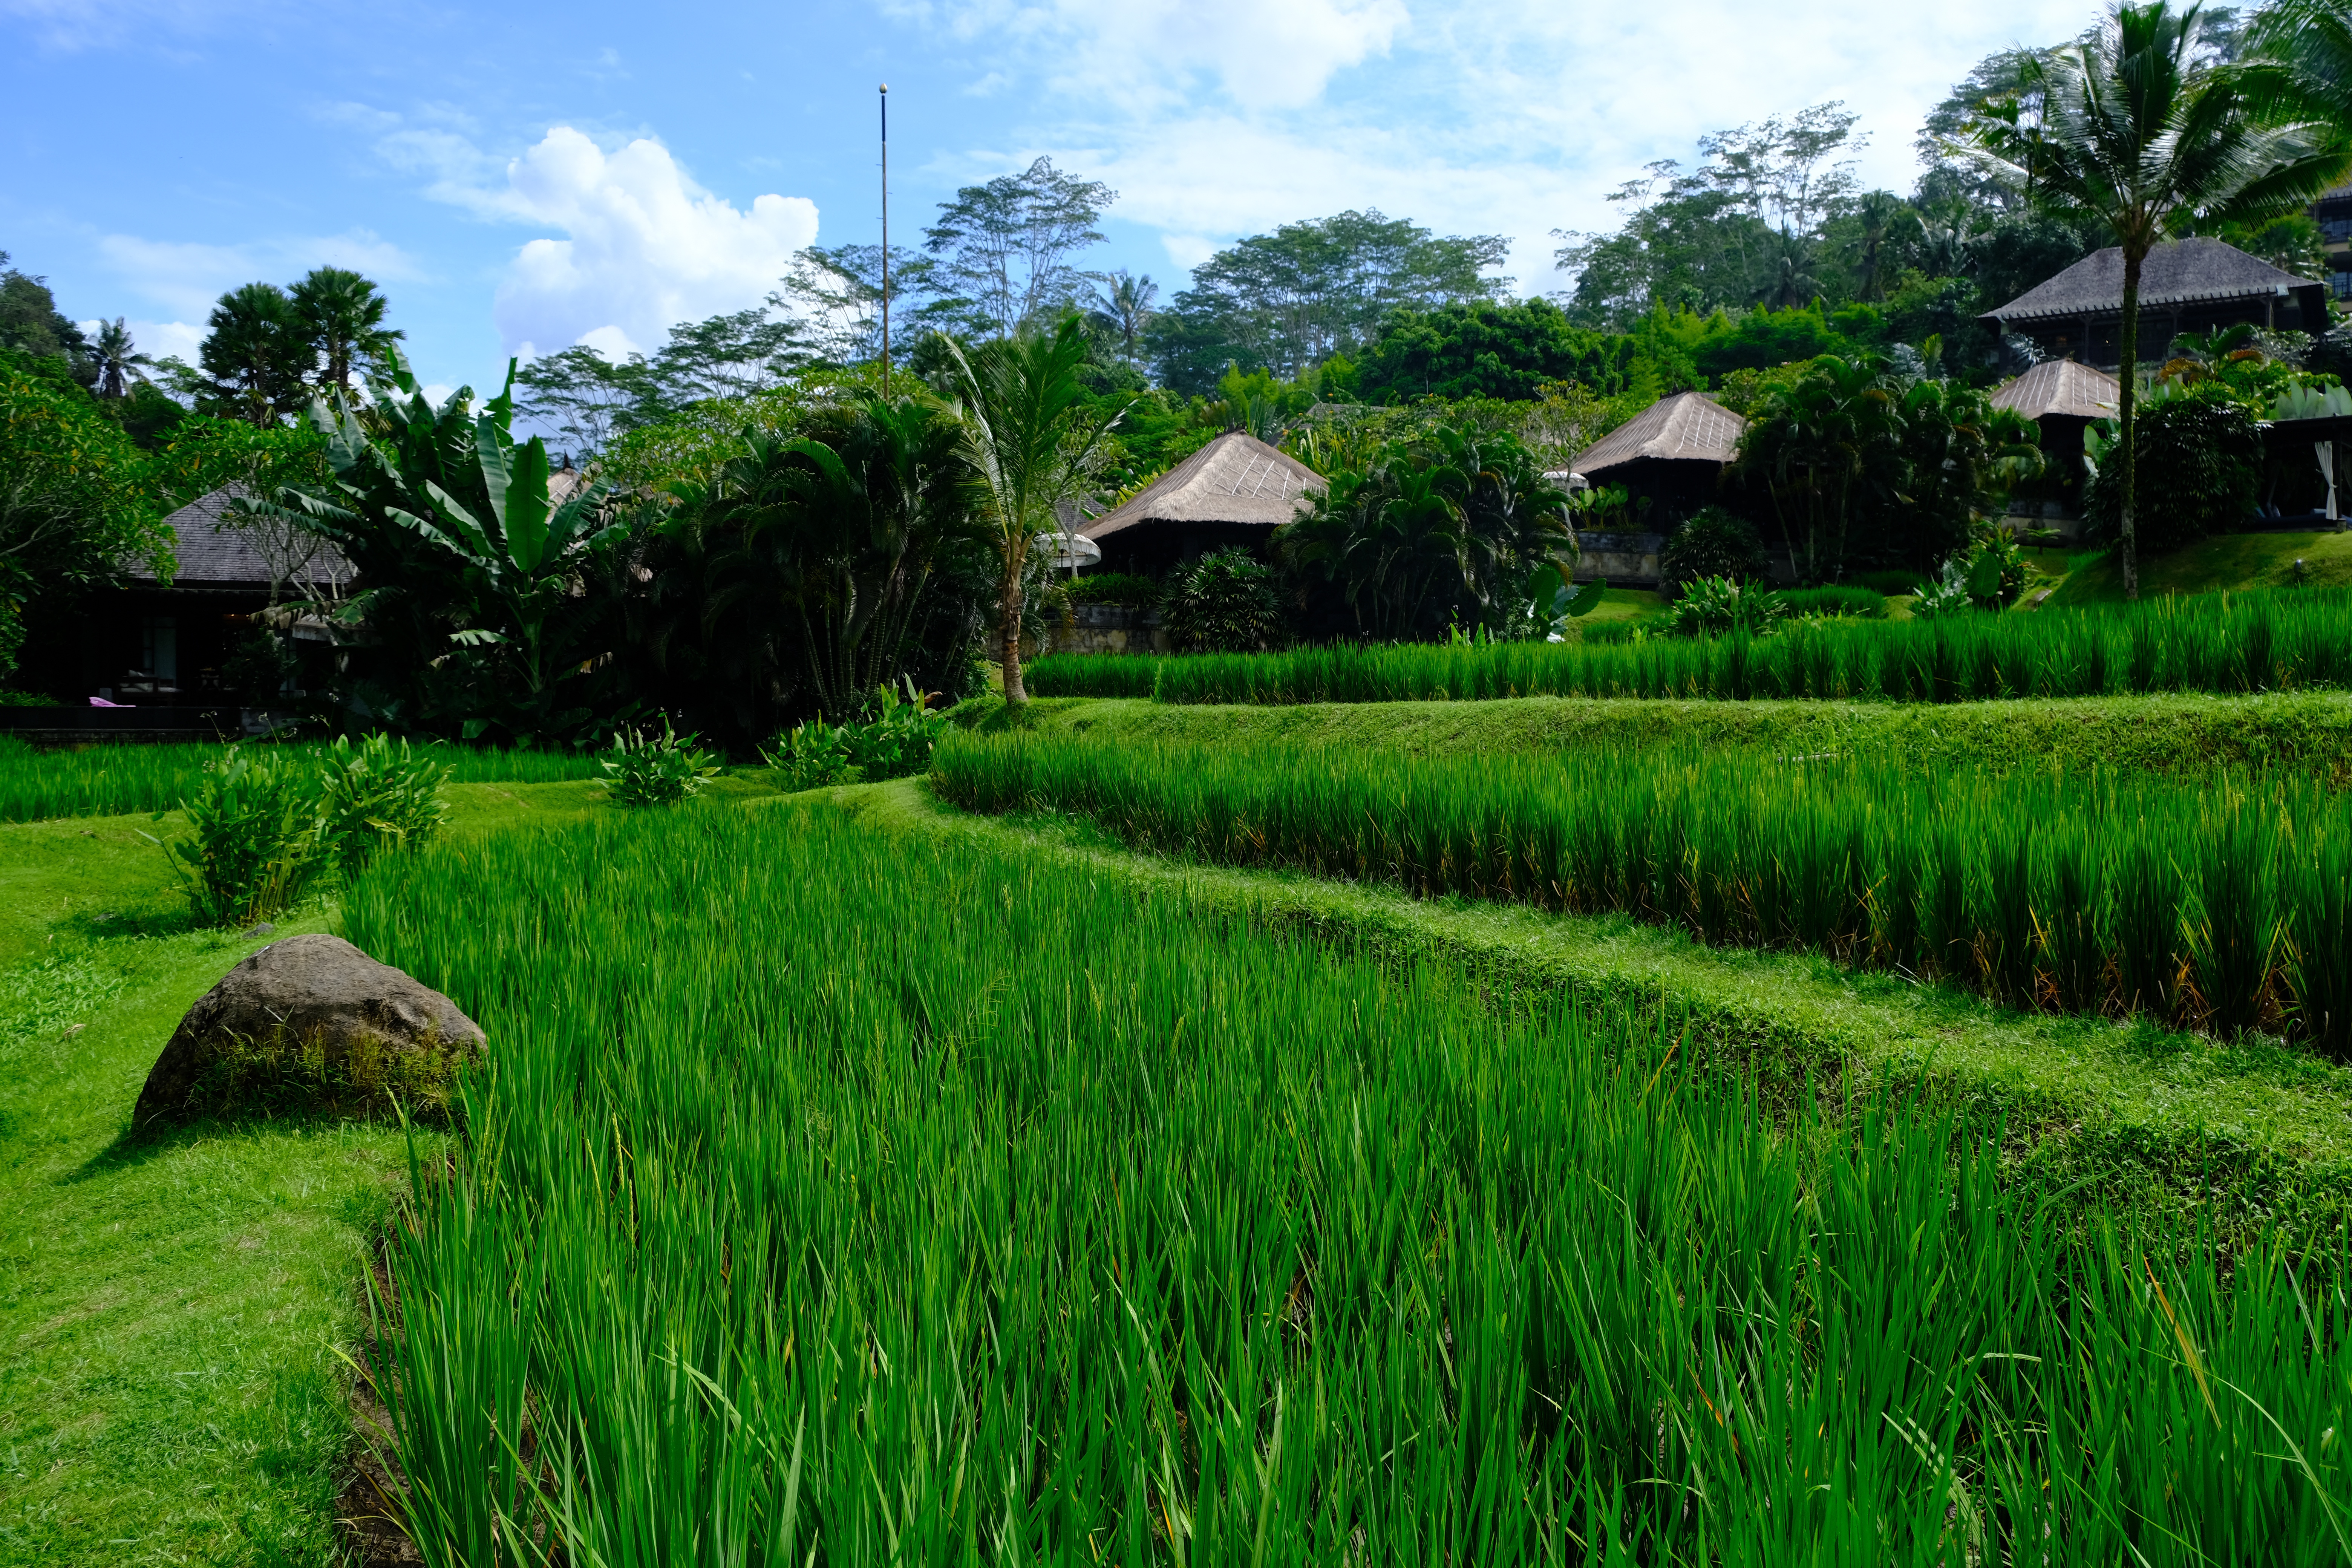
{"x": 1687, "y": 427}
{"x": 2060, "y": 387}
{"x": 1234, "y": 478}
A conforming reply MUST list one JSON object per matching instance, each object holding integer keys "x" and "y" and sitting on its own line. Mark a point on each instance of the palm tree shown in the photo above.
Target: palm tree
{"x": 2132, "y": 130}
{"x": 117, "y": 358}
{"x": 253, "y": 352}
{"x": 341, "y": 314}
{"x": 1029, "y": 438}
{"x": 2312, "y": 40}
{"x": 1122, "y": 309}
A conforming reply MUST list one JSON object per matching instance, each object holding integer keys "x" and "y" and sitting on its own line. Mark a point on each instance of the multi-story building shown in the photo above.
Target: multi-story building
{"x": 2334, "y": 212}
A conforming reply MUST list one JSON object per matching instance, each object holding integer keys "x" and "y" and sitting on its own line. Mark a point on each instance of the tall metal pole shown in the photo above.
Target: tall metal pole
{"x": 886, "y": 239}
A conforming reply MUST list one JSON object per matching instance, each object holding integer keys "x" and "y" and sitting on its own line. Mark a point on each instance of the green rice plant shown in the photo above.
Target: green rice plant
{"x": 2222, "y": 642}
{"x": 833, "y": 1197}
{"x": 121, "y": 777}
{"x": 646, "y": 769}
{"x": 2082, "y": 890}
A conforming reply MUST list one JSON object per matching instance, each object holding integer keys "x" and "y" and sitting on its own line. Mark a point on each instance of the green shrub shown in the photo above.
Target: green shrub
{"x": 1712, "y": 605}
{"x": 1225, "y": 602}
{"x": 2200, "y": 464}
{"x": 645, "y": 769}
{"x": 895, "y": 742}
{"x": 374, "y": 796}
{"x": 1124, "y": 588}
{"x": 255, "y": 825}
{"x": 1713, "y": 543}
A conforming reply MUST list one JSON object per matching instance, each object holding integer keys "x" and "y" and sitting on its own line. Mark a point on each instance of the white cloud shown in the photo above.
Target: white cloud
{"x": 1219, "y": 118}
{"x": 1278, "y": 53}
{"x": 645, "y": 246}
{"x": 185, "y": 277}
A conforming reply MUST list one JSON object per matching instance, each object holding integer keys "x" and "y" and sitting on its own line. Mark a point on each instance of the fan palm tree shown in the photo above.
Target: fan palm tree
{"x": 1029, "y": 438}
{"x": 2133, "y": 130}
{"x": 341, "y": 314}
{"x": 253, "y": 354}
{"x": 119, "y": 362}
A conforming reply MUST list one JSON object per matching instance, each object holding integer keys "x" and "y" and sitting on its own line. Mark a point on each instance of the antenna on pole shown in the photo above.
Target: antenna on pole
{"x": 886, "y": 239}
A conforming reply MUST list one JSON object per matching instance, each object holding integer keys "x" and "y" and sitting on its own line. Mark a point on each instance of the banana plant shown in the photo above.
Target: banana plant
{"x": 458, "y": 482}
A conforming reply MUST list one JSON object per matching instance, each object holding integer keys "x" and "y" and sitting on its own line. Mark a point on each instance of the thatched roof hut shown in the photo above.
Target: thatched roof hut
{"x": 1669, "y": 458}
{"x": 1234, "y": 491}
{"x": 2060, "y": 389}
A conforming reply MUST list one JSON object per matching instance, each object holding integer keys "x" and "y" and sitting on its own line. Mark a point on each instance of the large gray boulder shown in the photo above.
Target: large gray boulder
{"x": 310, "y": 1024}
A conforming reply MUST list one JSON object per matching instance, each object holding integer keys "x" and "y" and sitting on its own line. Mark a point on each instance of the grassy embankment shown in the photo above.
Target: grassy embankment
{"x": 1079, "y": 1226}
{"x": 169, "y": 1388}
{"x": 2219, "y": 644}
{"x": 2181, "y": 736}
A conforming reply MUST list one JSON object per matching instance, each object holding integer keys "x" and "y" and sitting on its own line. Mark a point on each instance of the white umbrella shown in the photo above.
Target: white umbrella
{"x": 1068, "y": 550}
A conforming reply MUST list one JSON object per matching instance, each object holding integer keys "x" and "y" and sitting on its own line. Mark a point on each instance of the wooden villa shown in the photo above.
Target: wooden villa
{"x": 2186, "y": 286}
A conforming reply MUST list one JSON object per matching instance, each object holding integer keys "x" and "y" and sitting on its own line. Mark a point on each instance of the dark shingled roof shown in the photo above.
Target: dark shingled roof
{"x": 2182, "y": 272}
{"x": 1687, "y": 427}
{"x": 215, "y": 554}
{"x": 1234, "y": 478}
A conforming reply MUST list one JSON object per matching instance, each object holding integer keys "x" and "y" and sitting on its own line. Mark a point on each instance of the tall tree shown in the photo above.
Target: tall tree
{"x": 340, "y": 315}
{"x": 31, "y": 324}
{"x": 256, "y": 354}
{"x": 2135, "y": 127}
{"x": 1288, "y": 301}
{"x": 119, "y": 362}
{"x": 1030, "y": 437}
{"x": 836, "y": 295}
{"x": 1005, "y": 249}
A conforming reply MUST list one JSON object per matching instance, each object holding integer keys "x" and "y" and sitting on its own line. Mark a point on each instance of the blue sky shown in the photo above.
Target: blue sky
{"x": 538, "y": 175}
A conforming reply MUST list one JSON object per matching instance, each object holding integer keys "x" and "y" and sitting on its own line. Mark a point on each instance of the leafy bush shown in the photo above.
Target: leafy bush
{"x": 896, "y": 742}
{"x": 1712, "y": 605}
{"x": 255, "y": 825}
{"x": 2199, "y": 464}
{"x": 372, "y": 796}
{"x": 1987, "y": 576}
{"x": 1947, "y": 595}
{"x": 1712, "y": 544}
{"x": 1225, "y": 602}
{"x": 1126, "y": 588}
{"x": 1844, "y": 599}
{"x": 645, "y": 769}
{"x": 811, "y": 755}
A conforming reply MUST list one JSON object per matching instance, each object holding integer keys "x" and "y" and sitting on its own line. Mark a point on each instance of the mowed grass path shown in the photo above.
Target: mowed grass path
{"x": 171, "y": 1312}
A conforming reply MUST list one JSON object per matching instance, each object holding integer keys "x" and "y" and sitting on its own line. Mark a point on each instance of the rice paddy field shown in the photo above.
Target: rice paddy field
{"x": 831, "y": 1199}
{"x": 36, "y": 783}
{"x": 2270, "y": 640}
{"x": 2224, "y": 905}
